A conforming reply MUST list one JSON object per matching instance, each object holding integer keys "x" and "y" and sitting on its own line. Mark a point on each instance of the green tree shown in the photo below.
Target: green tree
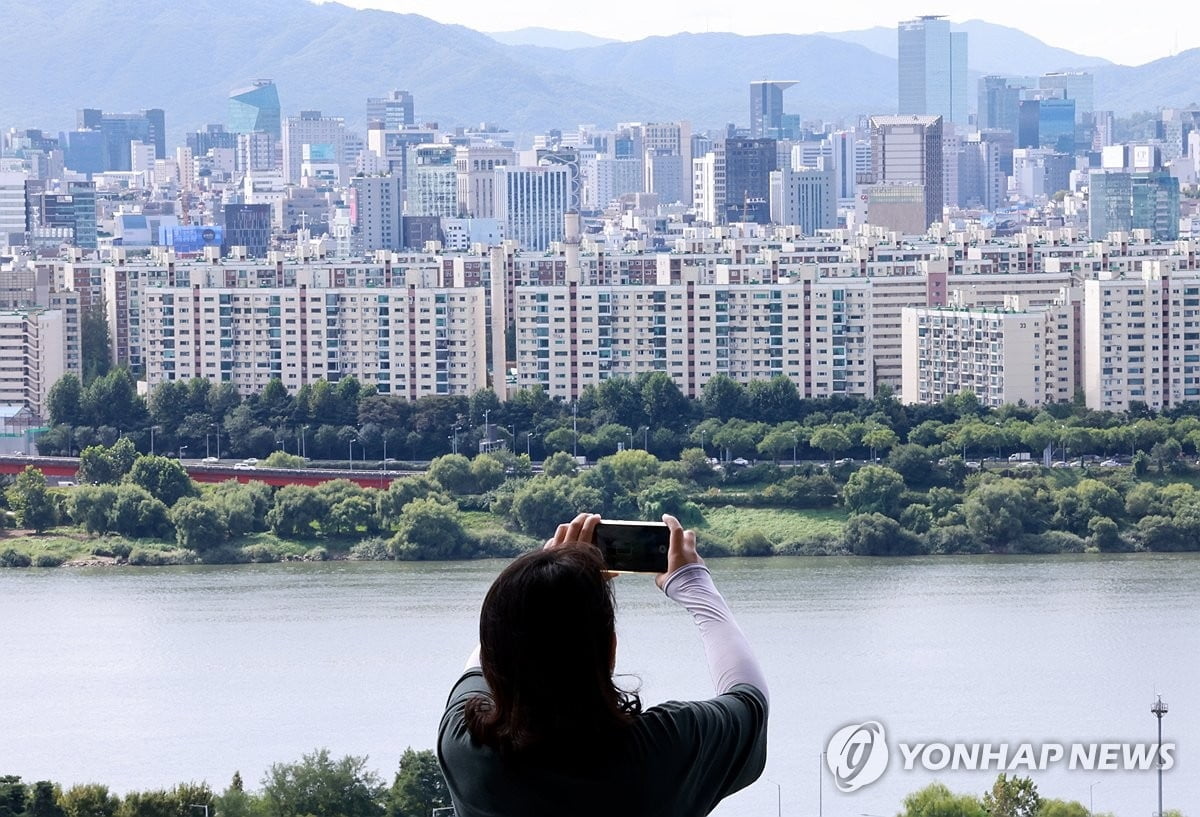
{"x": 830, "y": 439}
{"x": 453, "y": 472}
{"x": 282, "y": 459}
{"x": 347, "y": 515}
{"x": 880, "y": 438}
{"x": 65, "y": 401}
{"x": 96, "y": 466}
{"x": 935, "y": 800}
{"x": 632, "y": 467}
{"x": 91, "y": 507}
{"x": 662, "y": 496}
{"x": 163, "y": 477}
{"x": 319, "y": 786}
{"x": 773, "y": 401}
{"x": 752, "y": 542}
{"x": 295, "y": 510}
{"x": 723, "y": 397}
{"x": 89, "y": 800}
{"x": 198, "y": 525}
{"x": 31, "y": 501}
{"x": 560, "y": 463}
{"x": 428, "y": 529}
{"x": 1166, "y": 454}
{"x": 874, "y": 534}
{"x": 874, "y": 489}
{"x": 1104, "y": 535}
{"x": 418, "y": 787}
{"x": 781, "y": 441}
{"x": 997, "y": 512}
{"x": 663, "y": 404}
{"x": 1062, "y": 808}
{"x": 44, "y": 800}
{"x": 13, "y": 796}
{"x": 1012, "y": 797}
{"x": 402, "y": 491}
{"x": 487, "y": 472}
{"x": 154, "y": 803}
{"x": 95, "y": 342}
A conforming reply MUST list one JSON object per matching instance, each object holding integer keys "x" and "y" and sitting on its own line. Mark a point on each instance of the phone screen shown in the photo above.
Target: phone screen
{"x": 633, "y": 547}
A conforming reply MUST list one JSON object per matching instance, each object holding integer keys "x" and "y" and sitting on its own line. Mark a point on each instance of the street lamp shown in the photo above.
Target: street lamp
{"x": 778, "y": 796}
{"x": 352, "y": 442}
{"x": 795, "y": 440}
{"x": 152, "y": 430}
{"x": 645, "y": 438}
{"x": 1158, "y": 710}
{"x": 575, "y": 429}
{"x": 1090, "y": 789}
{"x": 182, "y": 448}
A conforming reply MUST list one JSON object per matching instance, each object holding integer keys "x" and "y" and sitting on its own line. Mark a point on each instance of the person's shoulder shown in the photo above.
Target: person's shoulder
{"x": 742, "y": 703}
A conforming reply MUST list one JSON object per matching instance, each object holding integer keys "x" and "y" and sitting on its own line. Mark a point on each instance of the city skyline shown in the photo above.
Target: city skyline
{"x": 625, "y": 20}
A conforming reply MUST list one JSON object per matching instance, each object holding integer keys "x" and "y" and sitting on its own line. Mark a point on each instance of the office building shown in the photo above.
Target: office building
{"x": 532, "y": 202}
{"x": 907, "y": 151}
{"x": 255, "y": 108}
{"x": 248, "y": 226}
{"x": 118, "y": 130}
{"x": 475, "y": 167}
{"x": 748, "y": 167}
{"x": 804, "y": 197}
{"x": 376, "y": 208}
{"x": 1121, "y": 201}
{"x": 432, "y": 188}
{"x": 310, "y": 128}
{"x": 12, "y": 208}
{"x": 999, "y": 103}
{"x": 65, "y": 215}
{"x": 394, "y": 111}
{"x": 766, "y": 108}
{"x": 932, "y": 69}
{"x": 1077, "y": 86}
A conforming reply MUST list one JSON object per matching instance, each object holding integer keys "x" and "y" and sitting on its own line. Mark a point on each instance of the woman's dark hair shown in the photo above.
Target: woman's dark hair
{"x": 546, "y": 637}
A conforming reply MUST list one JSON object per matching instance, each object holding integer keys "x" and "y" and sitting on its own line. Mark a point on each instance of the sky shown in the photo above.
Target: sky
{"x": 1125, "y": 34}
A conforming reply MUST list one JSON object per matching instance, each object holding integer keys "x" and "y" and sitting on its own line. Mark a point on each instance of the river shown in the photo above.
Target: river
{"x": 142, "y": 678}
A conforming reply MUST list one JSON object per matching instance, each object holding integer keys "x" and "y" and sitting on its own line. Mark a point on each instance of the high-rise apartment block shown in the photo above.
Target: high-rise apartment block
{"x": 40, "y": 346}
{"x": 376, "y": 207}
{"x": 932, "y": 64}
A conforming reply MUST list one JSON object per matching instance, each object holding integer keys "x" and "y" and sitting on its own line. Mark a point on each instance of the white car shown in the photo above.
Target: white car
{"x": 1110, "y": 464}
{"x": 244, "y": 466}
{"x": 741, "y": 461}
{"x": 251, "y": 460}
{"x": 210, "y": 460}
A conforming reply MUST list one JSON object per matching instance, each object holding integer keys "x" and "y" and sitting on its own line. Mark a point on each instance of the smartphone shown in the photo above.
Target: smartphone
{"x": 633, "y": 547}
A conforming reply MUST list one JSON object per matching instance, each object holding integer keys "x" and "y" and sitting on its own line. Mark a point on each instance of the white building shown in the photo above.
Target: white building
{"x": 37, "y": 347}
{"x": 532, "y": 202}
{"x": 310, "y": 128}
{"x": 804, "y": 197}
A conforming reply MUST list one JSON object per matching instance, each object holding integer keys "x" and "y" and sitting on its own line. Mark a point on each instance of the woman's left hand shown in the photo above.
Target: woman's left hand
{"x": 580, "y": 529}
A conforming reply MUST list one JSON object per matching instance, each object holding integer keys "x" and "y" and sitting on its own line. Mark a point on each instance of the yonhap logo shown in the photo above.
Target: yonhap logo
{"x": 857, "y": 755}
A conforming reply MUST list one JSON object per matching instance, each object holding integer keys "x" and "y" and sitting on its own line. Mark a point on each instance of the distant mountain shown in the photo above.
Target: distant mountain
{"x": 548, "y": 38}
{"x": 991, "y": 49}
{"x": 123, "y": 55}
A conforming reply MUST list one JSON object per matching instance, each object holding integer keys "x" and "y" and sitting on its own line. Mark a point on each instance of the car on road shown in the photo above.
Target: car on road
{"x": 1059, "y": 464}
{"x": 741, "y": 461}
{"x": 844, "y": 461}
{"x": 244, "y": 466}
{"x": 1110, "y": 464}
{"x": 251, "y": 460}
{"x": 210, "y": 460}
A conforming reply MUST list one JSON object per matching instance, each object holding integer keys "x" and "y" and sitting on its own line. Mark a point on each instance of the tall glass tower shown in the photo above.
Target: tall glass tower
{"x": 255, "y": 108}
{"x": 932, "y": 69}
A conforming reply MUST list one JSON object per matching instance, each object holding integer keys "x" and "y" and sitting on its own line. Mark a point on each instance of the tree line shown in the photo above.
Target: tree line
{"x": 317, "y": 785}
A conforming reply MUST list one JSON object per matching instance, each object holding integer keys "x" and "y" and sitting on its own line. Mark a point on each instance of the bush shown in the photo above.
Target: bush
{"x": 115, "y": 550}
{"x": 374, "y": 549}
{"x": 952, "y": 539}
{"x": 752, "y": 542}
{"x": 811, "y": 546}
{"x": 259, "y": 554}
{"x": 48, "y": 560}
{"x": 140, "y": 557}
{"x": 1051, "y": 541}
{"x": 873, "y": 534}
{"x": 317, "y": 554}
{"x": 502, "y": 544}
{"x": 11, "y": 557}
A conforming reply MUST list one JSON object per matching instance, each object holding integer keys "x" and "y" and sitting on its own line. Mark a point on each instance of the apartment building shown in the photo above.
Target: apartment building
{"x": 40, "y": 346}
{"x": 405, "y": 339}
{"x": 1010, "y": 354}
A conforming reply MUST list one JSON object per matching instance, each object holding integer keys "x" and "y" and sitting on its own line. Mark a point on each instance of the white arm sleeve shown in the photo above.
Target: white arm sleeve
{"x": 730, "y": 659}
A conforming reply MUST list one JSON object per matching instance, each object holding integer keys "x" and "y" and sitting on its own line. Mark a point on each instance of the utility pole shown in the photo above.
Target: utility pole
{"x": 1158, "y": 710}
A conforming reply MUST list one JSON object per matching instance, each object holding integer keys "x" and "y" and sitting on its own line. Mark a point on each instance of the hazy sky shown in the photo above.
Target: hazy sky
{"x": 1130, "y": 34}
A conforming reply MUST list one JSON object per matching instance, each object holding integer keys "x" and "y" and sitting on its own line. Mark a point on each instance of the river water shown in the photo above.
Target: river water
{"x": 142, "y": 678}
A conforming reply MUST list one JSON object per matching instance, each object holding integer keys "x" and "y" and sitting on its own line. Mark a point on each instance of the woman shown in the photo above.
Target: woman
{"x": 536, "y": 726}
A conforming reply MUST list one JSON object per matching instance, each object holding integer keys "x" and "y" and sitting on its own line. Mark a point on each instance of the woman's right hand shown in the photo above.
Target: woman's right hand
{"x": 680, "y": 552}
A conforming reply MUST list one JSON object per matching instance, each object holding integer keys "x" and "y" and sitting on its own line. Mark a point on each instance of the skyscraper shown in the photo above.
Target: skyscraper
{"x": 932, "y": 69}
{"x": 748, "y": 166}
{"x": 310, "y": 128}
{"x": 766, "y": 107}
{"x": 532, "y": 203}
{"x": 255, "y": 108}
{"x": 804, "y": 197}
{"x": 907, "y": 150}
{"x": 395, "y": 110}
{"x": 998, "y": 103}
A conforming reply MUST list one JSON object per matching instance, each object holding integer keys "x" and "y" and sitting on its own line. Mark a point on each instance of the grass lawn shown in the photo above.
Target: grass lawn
{"x": 778, "y": 524}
